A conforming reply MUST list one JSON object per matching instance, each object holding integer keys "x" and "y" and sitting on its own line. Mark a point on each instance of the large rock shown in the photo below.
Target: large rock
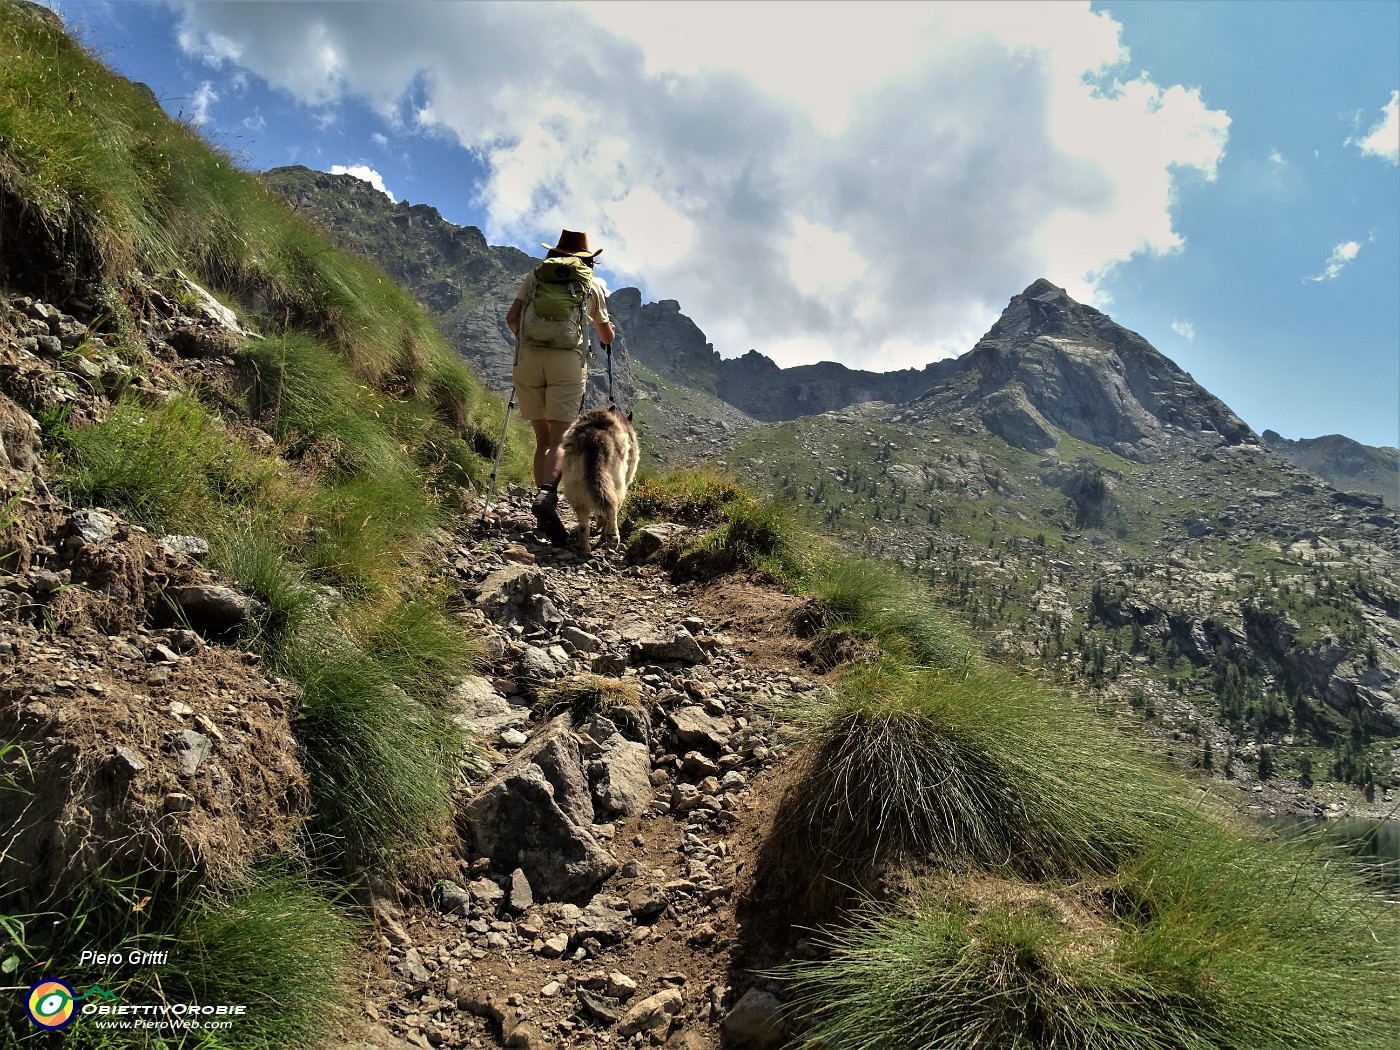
{"x": 692, "y": 729}
{"x": 652, "y": 1013}
{"x": 482, "y": 710}
{"x": 211, "y": 607}
{"x": 517, "y": 823}
{"x": 535, "y": 815}
{"x": 756, "y": 1020}
{"x": 621, "y": 777}
{"x": 679, "y": 646}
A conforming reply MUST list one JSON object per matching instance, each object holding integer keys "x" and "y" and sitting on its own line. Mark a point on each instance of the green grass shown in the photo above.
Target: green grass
{"x": 382, "y": 764}
{"x": 1212, "y": 940}
{"x": 877, "y": 601}
{"x": 278, "y": 947}
{"x": 172, "y": 465}
{"x": 376, "y": 423}
{"x": 981, "y": 767}
{"x": 421, "y": 647}
{"x": 696, "y": 496}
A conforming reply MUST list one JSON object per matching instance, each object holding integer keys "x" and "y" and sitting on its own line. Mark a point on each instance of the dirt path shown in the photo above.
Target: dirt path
{"x": 658, "y": 955}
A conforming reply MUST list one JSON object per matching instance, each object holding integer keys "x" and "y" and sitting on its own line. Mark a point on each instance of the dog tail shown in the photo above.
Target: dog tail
{"x": 587, "y": 440}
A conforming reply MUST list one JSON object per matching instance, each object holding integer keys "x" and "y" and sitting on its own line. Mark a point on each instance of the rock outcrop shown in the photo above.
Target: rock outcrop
{"x": 1051, "y": 365}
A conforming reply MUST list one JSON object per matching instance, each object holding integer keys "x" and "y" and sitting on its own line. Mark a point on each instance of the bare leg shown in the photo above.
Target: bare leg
{"x": 549, "y": 449}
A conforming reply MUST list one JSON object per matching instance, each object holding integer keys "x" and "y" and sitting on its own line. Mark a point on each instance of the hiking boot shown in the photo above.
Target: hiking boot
{"x": 546, "y": 508}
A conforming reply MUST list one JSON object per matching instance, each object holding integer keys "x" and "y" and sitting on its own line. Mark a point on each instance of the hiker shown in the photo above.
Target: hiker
{"x": 549, "y": 320}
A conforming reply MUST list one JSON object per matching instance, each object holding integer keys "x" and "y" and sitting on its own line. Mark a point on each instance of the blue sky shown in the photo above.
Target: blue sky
{"x": 873, "y": 183}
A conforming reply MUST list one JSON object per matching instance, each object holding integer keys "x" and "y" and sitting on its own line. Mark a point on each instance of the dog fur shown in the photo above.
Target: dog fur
{"x": 600, "y": 461}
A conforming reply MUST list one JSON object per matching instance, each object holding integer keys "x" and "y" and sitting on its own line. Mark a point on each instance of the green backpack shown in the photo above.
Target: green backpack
{"x": 555, "y": 316}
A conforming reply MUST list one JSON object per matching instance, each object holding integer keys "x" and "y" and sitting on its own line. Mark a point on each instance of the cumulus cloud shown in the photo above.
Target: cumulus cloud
{"x": 1341, "y": 255}
{"x": 365, "y": 174}
{"x": 874, "y": 195}
{"x": 1185, "y": 329}
{"x": 1383, "y": 140}
{"x": 204, "y": 97}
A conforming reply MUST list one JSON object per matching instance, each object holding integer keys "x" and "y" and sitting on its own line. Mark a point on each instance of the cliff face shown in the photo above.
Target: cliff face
{"x": 1051, "y": 365}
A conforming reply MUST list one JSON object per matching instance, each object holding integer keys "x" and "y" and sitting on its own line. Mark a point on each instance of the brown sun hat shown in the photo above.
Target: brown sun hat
{"x": 573, "y": 242}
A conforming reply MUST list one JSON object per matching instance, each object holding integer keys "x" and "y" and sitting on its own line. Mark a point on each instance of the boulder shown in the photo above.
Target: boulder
{"x": 651, "y": 542}
{"x": 535, "y": 815}
{"x": 756, "y": 1019}
{"x": 652, "y": 1013}
{"x": 621, "y": 778}
{"x": 482, "y": 710}
{"x": 516, "y": 822}
{"x": 679, "y": 647}
{"x": 211, "y": 607}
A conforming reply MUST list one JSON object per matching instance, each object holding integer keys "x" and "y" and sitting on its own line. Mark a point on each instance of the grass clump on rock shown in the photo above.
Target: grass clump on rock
{"x": 586, "y": 695}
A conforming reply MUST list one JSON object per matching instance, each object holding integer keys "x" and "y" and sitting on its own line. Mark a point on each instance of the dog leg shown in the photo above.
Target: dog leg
{"x": 585, "y": 539}
{"x": 611, "y": 535}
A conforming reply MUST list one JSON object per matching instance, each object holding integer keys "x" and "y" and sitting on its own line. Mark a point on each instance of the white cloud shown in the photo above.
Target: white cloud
{"x": 1185, "y": 329}
{"x": 365, "y": 174}
{"x": 1383, "y": 140}
{"x": 1341, "y": 255}
{"x": 382, "y": 141}
{"x": 1277, "y": 158}
{"x": 204, "y": 97}
{"x": 871, "y": 189}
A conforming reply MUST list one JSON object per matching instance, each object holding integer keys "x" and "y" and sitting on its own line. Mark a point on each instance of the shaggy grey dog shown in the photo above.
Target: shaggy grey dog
{"x": 600, "y": 461}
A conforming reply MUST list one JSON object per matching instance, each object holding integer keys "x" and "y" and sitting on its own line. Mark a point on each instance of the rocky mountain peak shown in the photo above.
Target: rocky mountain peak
{"x": 1052, "y": 366}
{"x": 1046, "y": 309}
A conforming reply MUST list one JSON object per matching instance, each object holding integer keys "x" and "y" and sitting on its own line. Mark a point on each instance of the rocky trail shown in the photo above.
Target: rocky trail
{"x": 594, "y": 893}
{"x": 611, "y": 855}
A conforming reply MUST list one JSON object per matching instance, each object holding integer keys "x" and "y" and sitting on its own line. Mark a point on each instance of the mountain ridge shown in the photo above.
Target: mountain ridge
{"x": 469, "y": 284}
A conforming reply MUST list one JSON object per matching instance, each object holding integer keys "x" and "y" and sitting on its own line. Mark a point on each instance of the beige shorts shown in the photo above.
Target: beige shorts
{"x": 549, "y": 383}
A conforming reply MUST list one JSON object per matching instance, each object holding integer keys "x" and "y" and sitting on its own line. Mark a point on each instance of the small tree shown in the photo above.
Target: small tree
{"x": 1266, "y": 764}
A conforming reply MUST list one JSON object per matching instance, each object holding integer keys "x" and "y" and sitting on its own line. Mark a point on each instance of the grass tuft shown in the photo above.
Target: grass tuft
{"x": 1214, "y": 941}
{"x": 985, "y": 769}
{"x": 586, "y": 695}
{"x": 382, "y": 765}
{"x": 278, "y": 947}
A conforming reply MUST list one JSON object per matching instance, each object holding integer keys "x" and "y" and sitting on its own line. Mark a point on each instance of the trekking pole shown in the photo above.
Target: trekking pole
{"x": 611, "y": 400}
{"x": 500, "y": 447}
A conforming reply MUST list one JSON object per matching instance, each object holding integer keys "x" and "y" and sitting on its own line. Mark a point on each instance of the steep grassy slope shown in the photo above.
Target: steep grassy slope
{"x": 318, "y": 460}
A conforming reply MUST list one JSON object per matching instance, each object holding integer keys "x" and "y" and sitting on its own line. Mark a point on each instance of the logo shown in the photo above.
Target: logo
{"x": 51, "y": 1004}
